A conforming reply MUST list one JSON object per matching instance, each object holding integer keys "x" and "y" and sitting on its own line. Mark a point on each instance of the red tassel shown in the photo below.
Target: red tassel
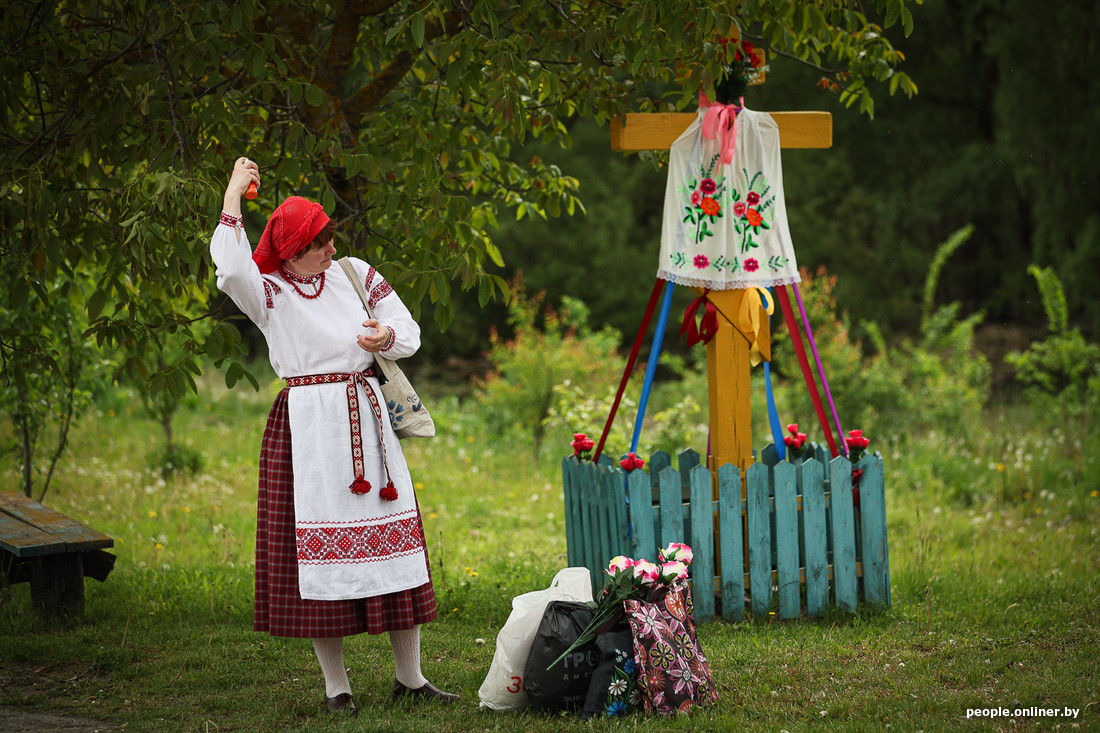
{"x": 389, "y": 493}
{"x": 360, "y": 485}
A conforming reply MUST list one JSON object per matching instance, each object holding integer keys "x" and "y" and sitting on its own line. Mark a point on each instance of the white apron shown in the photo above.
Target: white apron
{"x": 725, "y": 218}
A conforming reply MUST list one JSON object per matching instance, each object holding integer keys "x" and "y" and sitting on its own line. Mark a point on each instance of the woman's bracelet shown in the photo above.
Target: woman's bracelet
{"x": 393, "y": 337}
{"x": 231, "y": 221}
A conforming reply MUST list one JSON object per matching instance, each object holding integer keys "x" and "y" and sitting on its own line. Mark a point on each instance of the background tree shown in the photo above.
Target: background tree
{"x": 999, "y": 137}
{"x": 120, "y": 118}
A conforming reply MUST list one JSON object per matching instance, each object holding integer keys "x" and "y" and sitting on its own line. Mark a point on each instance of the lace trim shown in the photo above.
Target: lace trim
{"x": 726, "y": 284}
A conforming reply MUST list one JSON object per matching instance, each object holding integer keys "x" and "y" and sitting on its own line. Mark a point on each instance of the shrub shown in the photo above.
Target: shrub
{"x": 1062, "y": 372}
{"x": 936, "y": 381}
{"x": 548, "y": 348}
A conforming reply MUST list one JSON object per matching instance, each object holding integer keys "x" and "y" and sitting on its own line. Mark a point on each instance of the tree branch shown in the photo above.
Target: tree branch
{"x": 367, "y": 8}
{"x": 367, "y": 97}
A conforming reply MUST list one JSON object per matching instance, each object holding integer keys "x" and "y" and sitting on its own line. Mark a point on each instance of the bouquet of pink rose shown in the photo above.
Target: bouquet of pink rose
{"x": 632, "y": 579}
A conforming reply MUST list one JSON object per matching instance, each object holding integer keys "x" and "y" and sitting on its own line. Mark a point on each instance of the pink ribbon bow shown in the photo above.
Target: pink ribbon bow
{"x": 721, "y": 119}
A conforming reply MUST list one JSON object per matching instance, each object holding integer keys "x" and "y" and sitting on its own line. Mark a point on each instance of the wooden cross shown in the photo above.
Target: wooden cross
{"x": 728, "y": 352}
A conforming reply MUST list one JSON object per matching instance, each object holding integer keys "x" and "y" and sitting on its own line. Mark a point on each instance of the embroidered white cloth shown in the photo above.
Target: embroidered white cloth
{"x": 349, "y": 546}
{"x": 725, "y": 221}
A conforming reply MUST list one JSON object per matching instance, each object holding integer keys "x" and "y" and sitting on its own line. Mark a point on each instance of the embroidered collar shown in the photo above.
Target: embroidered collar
{"x": 317, "y": 281}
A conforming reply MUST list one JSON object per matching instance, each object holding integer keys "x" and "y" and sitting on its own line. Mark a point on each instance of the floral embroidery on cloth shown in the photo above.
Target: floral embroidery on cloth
{"x": 725, "y": 224}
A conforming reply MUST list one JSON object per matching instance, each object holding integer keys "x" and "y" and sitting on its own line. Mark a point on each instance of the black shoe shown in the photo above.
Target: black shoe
{"x": 427, "y": 692}
{"x": 342, "y": 703}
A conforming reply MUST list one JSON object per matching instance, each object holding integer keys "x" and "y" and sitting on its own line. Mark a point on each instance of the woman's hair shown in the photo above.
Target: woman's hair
{"x": 323, "y": 237}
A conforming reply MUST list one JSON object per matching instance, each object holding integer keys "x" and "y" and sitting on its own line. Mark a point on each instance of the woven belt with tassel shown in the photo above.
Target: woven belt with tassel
{"x": 360, "y": 485}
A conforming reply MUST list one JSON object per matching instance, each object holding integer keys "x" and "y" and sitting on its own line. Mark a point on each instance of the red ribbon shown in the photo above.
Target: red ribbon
{"x": 708, "y": 325}
{"x": 658, "y": 286}
{"x": 800, "y": 351}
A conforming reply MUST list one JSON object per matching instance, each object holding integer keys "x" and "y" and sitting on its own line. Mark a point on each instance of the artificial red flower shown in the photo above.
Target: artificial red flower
{"x": 795, "y": 440}
{"x": 855, "y": 440}
{"x": 631, "y": 462}
{"x": 710, "y": 207}
{"x": 754, "y": 217}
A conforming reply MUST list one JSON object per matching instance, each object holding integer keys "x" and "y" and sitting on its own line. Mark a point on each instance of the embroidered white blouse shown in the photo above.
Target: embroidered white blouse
{"x": 725, "y": 217}
{"x": 349, "y": 546}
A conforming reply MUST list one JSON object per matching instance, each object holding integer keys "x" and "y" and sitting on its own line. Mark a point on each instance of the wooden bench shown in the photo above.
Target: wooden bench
{"x": 50, "y": 551}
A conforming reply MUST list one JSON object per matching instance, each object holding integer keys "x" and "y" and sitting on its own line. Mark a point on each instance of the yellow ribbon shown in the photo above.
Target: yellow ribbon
{"x": 756, "y": 329}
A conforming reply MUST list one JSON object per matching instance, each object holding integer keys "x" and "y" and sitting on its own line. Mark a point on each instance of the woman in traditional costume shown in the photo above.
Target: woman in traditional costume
{"x": 339, "y": 541}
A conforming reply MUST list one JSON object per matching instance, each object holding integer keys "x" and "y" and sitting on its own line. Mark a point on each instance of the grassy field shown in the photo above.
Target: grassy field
{"x": 994, "y": 558}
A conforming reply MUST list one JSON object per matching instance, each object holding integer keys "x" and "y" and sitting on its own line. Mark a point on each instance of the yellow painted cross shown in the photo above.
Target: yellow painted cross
{"x": 728, "y": 352}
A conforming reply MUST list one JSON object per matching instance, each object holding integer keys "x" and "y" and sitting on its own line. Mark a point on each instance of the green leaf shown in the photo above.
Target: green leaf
{"x": 314, "y": 95}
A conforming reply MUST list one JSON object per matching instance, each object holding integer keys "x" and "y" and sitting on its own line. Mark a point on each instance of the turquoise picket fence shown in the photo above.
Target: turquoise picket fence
{"x": 795, "y": 544}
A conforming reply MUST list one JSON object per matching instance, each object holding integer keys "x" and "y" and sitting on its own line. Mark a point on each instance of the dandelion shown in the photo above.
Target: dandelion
{"x": 1095, "y": 493}
{"x": 152, "y": 514}
{"x": 418, "y": 485}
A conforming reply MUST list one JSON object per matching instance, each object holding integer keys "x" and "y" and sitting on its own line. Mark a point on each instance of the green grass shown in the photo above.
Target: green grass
{"x": 994, "y": 565}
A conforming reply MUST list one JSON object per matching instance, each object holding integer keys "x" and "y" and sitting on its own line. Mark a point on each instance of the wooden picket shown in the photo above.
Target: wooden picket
{"x": 789, "y": 542}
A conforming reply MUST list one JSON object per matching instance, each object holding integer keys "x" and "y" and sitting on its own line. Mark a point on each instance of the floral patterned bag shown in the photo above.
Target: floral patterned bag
{"x": 673, "y": 673}
{"x": 613, "y": 689}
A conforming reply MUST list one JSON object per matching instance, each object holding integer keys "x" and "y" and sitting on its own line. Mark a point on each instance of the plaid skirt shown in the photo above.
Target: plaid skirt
{"x": 279, "y": 609}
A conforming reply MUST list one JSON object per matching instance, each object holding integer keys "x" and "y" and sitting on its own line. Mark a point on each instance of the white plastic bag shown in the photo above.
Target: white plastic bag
{"x": 503, "y": 686}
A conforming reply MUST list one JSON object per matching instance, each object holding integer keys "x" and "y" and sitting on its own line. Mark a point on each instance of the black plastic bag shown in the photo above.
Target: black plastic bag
{"x": 565, "y": 685}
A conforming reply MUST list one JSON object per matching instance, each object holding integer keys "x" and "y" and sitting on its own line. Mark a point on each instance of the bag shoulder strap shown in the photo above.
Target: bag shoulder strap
{"x": 388, "y": 366}
{"x": 349, "y": 270}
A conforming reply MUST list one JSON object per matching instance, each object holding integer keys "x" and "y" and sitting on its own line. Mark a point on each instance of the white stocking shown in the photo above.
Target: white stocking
{"x": 406, "y": 657}
{"x": 330, "y": 653}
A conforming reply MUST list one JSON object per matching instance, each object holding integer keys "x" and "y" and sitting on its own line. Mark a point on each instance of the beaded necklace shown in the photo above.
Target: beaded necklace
{"x": 317, "y": 281}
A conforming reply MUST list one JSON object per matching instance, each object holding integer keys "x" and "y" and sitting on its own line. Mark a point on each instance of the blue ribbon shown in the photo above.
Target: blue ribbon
{"x": 651, "y": 366}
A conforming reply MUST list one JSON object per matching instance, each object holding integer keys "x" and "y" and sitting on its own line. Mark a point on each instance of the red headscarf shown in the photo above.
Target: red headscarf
{"x": 291, "y": 227}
